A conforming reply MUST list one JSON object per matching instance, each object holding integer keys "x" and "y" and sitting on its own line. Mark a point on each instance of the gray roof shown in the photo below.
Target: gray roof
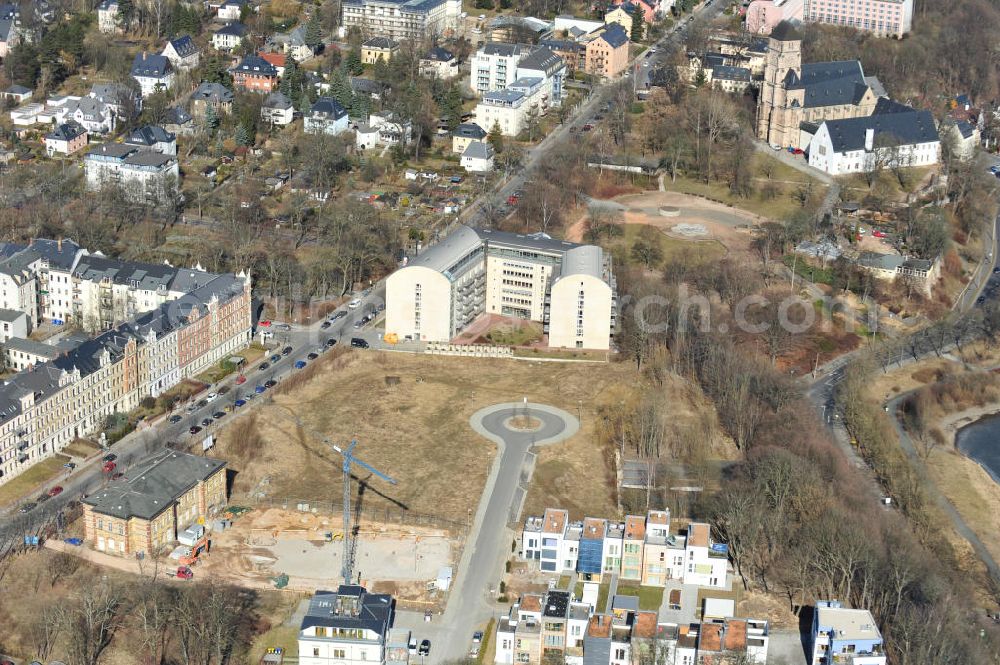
{"x": 583, "y": 260}
{"x": 506, "y": 96}
{"x": 254, "y": 64}
{"x": 235, "y": 29}
{"x": 184, "y": 46}
{"x": 615, "y": 35}
{"x": 176, "y": 116}
{"x": 151, "y": 65}
{"x": 149, "y": 159}
{"x": 11, "y": 315}
{"x": 153, "y": 485}
{"x": 380, "y": 43}
{"x": 350, "y": 607}
{"x": 327, "y": 107}
{"x": 359, "y": 84}
{"x": 277, "y": 100}
{"x": 831, "y": 83}
{"x": 449, "y": 250}
{"x": 503, "y": 49}
{"x": 727, "y": 73}
{"x": 469, "y": 130}
{"x": 905, "y": 128}
{"x": 409, "y": 6}
{"x": 880, "y": 261}
{"x": 533, "y": 241}
{"x": 111, "y": 93}
{"x": 627, "y": 603}
{"x": 478, "y": 150}
{"x": 149, "y": 136}
{"x": 32, "y": 347}
{"x": 17, "y": 90}
{"x": 439, "y": 54}
{"x": 116, "y": 150}
{"x": 92, "y": 108}
{"x": 209, "y": 91}
{"x": 66, "y": 132}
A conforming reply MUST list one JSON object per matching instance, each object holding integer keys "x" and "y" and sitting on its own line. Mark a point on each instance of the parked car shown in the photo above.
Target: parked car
{"x": 425, "y": 648}
{"x": 240, "y": 402}
{"x": 118, "y": 475}
{"x": 270, "y": 383}
{"x": 338, "y": 315}
{"x": 325, "y": 325}
{"x": 299, "y": 364}
{"x": 312, "y": 356}
{"x": 194, "y": 429}
{"x": 263, "y": 366}
{"x": 219, "y": 414}
{"x": 110, "y": 457}
{"x": 259, "y": 389}
{"x": 285, "y": 351}
{"x": 205, "y": 422}
{"x": 184, "y": 573}
{"x": 175, "y": 418}
{"x": 412, "y": 646}
{"x": 354, "y": 304}
{"x": 264, "y": 324}
{"x": 477, "y": 637}
{"x": 56, "y": 491}
{"x": 42, "y": 498}
{"x": 27, "y": 507}
{"x": 211, "y": 396}
{"x": 69, "y": 465}
{"x": 75, "y": 542}
{"x": 331, "y": 342}
{"x": 359, "y": 343}
{"x": 282, "y": 326}
{"x": 109, "y": 467}
{"x": 202, "y": 403}
{"x": 276, "y": 357}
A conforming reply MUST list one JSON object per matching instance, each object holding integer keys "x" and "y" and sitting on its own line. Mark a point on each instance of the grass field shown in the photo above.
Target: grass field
{"x": 784, "y": 179}
{"x": 650, "y": 597}
{"x": 673, "y": 249}
{"x": 26, "y": 483}
{"x": 602, "y": 594}
{"x": 81, "y": 448}
{"x": 417, "y": 431}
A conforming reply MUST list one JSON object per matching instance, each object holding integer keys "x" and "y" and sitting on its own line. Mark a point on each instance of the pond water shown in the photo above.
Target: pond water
{"x": 981, "y": 442}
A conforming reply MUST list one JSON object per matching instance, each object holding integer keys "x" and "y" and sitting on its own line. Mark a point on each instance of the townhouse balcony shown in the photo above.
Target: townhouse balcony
{"x": 22, "y": 459}
{"x": 23, "y": 445}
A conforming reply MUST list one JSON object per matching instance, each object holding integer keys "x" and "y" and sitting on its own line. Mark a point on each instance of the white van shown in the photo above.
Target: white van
{"x": 354, "y": 304}
{"x": 191, "y": 535}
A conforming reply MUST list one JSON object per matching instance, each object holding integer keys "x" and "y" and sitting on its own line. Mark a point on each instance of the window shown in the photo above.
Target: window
{"x": 339, "y": 653}
{"x": 316, "y": 652}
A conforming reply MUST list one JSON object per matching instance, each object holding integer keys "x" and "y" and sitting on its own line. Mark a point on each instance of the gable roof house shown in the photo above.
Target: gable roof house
{"x": 107, "y": 16}
{"x": 465, "y": 134}
{"x": 178, "y": 121}
{"x": 10, "y": 28}
{"x": 17, "y": 93}
{"x": 378, "y": 48}
{"x": 122, "y": 101}
{"x": 326, "y": 116}
{"x": 277, "y": 109}
{"x": 229, "y": 36}
{"x": 211, "y": 94}
{"x": 65, "y": 139}
{"x": 231, "y": 10}
{"x": 349, "y": 619}
{"x": 182, "y": 52}
{"x": 153, "y": 138}
{"x": 293, "y": 43}
{"x": 152, "y": 72}
{"x": 478, "y": 157}
{"x": 439, "y": 62}
{"x": 895, "y": 135}
{"x": 255, "y": 74}
{"x": 93, "y": 115}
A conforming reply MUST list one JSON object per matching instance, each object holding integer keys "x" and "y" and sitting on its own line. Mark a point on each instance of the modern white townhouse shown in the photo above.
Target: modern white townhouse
{"x": 349, "y": 626}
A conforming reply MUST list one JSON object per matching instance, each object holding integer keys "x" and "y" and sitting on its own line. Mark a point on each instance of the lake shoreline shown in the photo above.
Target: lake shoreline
{"x": 973, "y": 433}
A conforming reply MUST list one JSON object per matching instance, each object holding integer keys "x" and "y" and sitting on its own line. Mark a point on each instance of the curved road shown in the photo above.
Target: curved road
{"x": 487, "y": 544}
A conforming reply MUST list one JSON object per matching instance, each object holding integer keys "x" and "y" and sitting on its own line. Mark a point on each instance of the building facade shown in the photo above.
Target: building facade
{"x": 347, "y": 627}
{"x": 840, "y": 634}
{"x": 141, "y": 175}
{"x": 470, "y": 272}
{"x": 415, "y": 20}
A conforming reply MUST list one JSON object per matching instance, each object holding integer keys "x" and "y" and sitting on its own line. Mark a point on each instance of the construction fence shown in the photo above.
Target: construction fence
{"x": 474, "y": 350}
{"x": 384, "y": 515}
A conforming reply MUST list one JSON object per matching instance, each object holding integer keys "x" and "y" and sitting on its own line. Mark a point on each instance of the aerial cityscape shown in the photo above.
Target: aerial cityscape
{"x": 495, "y": 332}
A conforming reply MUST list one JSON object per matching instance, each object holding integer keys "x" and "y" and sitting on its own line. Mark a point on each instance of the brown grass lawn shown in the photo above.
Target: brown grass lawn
{"x": 32, "y": 480}
{"x": 418, "y": 431}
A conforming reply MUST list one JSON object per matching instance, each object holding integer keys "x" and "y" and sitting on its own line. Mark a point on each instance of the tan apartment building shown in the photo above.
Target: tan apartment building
{"x": 606, "y": 54}
{"x": 632, "y": 547}
{"x": 143, "y": 512}
{"x": 378, "y": 48}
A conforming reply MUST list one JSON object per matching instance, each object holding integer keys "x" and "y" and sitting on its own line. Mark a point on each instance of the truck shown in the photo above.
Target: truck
{"x": 191, "y": 535}
{"x": 190, "y": 557}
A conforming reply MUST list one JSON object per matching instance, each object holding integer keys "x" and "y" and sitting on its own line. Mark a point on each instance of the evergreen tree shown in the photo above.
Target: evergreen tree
{"x": 340, "y": 89}
{"x": 352, "y": 63}
{"x": 305, "y": 105}
{"x": 242, "y": 135}
{"x": 126, "y": 12}
{"x": 638, "y": 27}
{"x": 700, "y": 78}
{"x": 292, "y": 80}
{"x": 214, "y": 71}
{"x": 495, "y": 138}
{"x": 211, "y": 118}
{"x": 314, "y": 31}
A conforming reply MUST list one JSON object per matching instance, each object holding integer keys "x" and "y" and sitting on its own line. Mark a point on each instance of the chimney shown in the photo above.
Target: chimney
{"x": 59, "y": 244}
{"x": 869, "y": 139}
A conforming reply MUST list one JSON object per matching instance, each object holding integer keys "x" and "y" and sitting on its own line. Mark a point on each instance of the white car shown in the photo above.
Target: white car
{"x": 211, "y": 396}
{"x": 354, "y": 304}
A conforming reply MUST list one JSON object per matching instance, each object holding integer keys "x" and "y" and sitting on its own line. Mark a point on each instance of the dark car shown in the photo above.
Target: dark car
{"x": 27, "y": 507}
{"x": 263, "y": 366}
{"x": 202, "y": 403}
{"x": 324, "y": 325}
{"x": 194, "y": 429}
{"x": 312, "y": 356}
{"x": 223, "y": 390}
{"x": 276, "y": 357}
{"x": 240, "y": 402}
{"x": 42, "y": 498}
{"x": 299, "y": 364}
{"x": 206, "y": 422}
{"x": 219, "y": 414}
{"x": 70, "y": 465}
{"x": 110, "y": 457}
{"x": 175, "y": 418}
{"x": 359, "y": 343}
{"x": 331, "y": 342}
{"x": 270, "y": 383}
{"x": 285, "y": 351}
{"x": 425, "y": 648}
{"x": 259, "y": 389}
{"x": 118, "y": 476}
{"x": 338, "y": 315}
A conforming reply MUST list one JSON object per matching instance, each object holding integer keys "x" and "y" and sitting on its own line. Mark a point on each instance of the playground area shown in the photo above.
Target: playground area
{"x": 308, "y": 547}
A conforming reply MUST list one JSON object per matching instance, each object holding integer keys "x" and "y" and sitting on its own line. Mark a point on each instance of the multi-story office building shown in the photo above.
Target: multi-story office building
{"x": 535, "y": 277}
{"x": 415, "y": 20}
{"x": 48, "y": 405}
{"x": 885, "y": 18}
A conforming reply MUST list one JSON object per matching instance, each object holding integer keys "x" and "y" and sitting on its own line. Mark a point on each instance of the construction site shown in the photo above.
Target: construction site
{"x": 302, "y": 550}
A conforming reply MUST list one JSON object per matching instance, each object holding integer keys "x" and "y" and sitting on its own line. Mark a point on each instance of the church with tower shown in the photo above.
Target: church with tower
{"x": 795, "y": 98}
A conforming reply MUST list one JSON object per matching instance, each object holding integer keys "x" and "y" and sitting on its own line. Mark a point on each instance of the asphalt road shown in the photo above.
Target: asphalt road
{"x": 89, "y": 477}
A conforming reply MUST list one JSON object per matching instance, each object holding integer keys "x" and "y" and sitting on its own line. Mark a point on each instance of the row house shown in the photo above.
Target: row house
{"x": 710, "y": 643}
{"x": 640, "y": 549}
{"x": 47, "y": 406}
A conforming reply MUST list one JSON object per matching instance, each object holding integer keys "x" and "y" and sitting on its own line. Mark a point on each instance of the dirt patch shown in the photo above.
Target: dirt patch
{"x": 415, "y": 429}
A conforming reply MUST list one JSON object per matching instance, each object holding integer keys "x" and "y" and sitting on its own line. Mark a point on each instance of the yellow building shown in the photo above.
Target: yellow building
{"x": 162, "y": 495}
{"x": 378, "y": 48}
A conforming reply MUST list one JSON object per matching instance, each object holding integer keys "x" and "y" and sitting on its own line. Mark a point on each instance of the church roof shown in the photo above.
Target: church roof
{"x": 830, "y": 83}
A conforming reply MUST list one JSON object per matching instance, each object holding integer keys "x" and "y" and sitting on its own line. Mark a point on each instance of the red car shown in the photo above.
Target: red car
{"x": 109, "y": 467}
{"x": 56, "y": 491}
{"x": 878, "y": 234}
{"x": 184, "y": 573}
{"x": 264, "y": 324}
{"x": 241, "y": 380}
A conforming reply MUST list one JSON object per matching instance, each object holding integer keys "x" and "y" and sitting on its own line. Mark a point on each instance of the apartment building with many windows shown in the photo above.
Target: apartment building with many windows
{"x": 349, "y": 626}
{"x": 46, "y": 406}
{"x": 884, "y": 18}
{"x": 415, "y": 20}
{"x": 570, "y": 288}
